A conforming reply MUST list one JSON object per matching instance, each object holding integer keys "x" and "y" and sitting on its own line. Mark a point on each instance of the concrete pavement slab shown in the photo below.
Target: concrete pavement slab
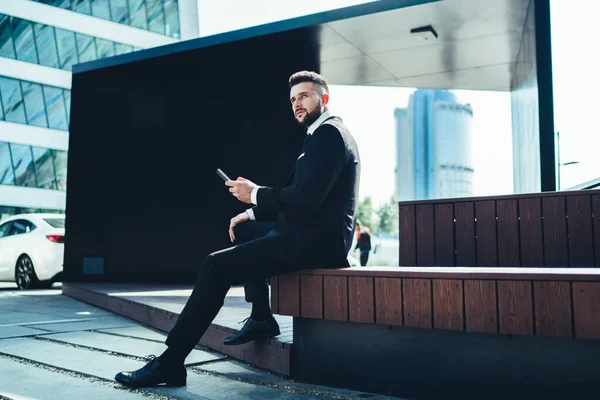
{"x": 25, "y": 381}
{"x": 106, "y": 366}
{"x": 140, "y": 332}
{"x": 128, "y": 346}
{"x": 17, "y": 331}
{"x": 87, "y": 325}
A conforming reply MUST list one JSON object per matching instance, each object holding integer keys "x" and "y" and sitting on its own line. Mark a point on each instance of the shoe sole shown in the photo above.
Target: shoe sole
{"x": 158, "y": 384}
{"x": 260, "y": 336}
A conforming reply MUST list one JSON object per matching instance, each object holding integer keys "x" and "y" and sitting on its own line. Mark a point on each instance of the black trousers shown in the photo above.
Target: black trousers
{"x": 258, "y": 290}
{"x": 250, "y": 263}
{"x": 364, "y": 258}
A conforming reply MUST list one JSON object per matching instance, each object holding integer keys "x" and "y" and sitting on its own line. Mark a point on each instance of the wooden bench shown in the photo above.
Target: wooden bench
{"x": 386, "y": 327}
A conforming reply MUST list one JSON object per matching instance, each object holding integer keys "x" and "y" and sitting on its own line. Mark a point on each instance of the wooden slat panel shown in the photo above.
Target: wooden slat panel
{"x": 335, "y": 296}
{"x": 417, "y": 303}
{"x": 485, "y": 229}
{"x": 480, "y": 306}
{"x": 408, "y": 236}
{"x": 555, "y": 232}
{"x": 361, "y": 299}
{"x": 388, "y": 301}
{"x": 465, "y": 234}
{"x": 311, "y": 305}
{"x": 289, "y": 295}
{"x": 515, "y": 308}
{"x": 274, "y": 281}
{"x": 508, "y": 233}
{"x": 448, "y": 304}
{"x": 586, "y": 309}
{"x": 596, "y": 220}
{"x": 553, "y": 308}
{"x": 530, "y": 227}
{"x": 444, "y": 235}
{"x": 425, "y": 235}
{"x": 579, "y": 225}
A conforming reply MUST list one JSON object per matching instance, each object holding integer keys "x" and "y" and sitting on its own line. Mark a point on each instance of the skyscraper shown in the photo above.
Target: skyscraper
{"x": 433, "y": 147}
{"x": 40, "y": 40}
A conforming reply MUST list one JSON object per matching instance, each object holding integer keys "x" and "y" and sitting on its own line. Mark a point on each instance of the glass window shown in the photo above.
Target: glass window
{"x": 123, "y": 48}
{"x": 23, "y": 36}
{"x": 55, "y": 222}
{"x": 34, "y": 104}
{"x": 120, "y": 12}
{"x": 23, "y": 162}
{"x": 106, "y": 48}
{"x": 67, "y": 94}
{"x": 5, "y": 227}
{"x": 55, "y": 107}
{"x": 156, "y": 16}
{"x": 575, "y": 79}
{"x": 57, "y": 3}
{"x": 86, "y": 47}
{"x": 46, "y": 44}
{"x": 7, "y": 48}
{"x": 20, "y": 226}
{"x": 172, "y": 18}
{"x": 138, "y": 14}
{"x": 67, "y": 54}
{"x": 44, "y": 168}
{"x": 81, "y": 6}
{"x": 101, "y": 8}
{"x": 60, "y": 166}
{"x": 7, "y": 175}
{"x": 12, "y": 99}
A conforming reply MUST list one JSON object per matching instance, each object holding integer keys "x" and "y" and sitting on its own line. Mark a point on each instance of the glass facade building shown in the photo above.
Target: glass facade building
{"x": 433, "y": 147}
{"x": 40, "y": 41}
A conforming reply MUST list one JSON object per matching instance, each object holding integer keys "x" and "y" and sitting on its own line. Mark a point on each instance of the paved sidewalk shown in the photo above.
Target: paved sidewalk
{"x": 54, "y": 347}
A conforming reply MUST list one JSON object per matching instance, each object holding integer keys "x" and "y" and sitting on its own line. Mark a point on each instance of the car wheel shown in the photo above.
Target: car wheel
{"x": 25, "y": 276}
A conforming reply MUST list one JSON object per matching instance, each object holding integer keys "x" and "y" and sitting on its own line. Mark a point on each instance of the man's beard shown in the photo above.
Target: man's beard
{"x": 311, "y": 116}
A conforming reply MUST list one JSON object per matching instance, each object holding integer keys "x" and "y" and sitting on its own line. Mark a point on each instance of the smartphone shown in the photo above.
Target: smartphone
{"x": 222, "y": 175}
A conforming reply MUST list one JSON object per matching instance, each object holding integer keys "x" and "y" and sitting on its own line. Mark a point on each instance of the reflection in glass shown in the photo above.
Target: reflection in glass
{"x": 6, "y": 44}
{"x": 46, "y": 45}
{"x": 172, "y": 18}
{"x": 23, "y": 36}
{"x": 86, "y": 47}
{"x": 55, "y": 106}
{"x": 7, "y": 176}
{"x": 120, "y": 12}
{"x": 122, "y": 48}
{"x": 23, "y": 163}
{"x": 67, "y": 94}
{"x": 44, "y": 168}
{"x": 100, "y": 9}
{"x": 106, "y": 48}
{"x": 60, "y": 165}
{"x": 66, "y": 48}
{"x": 34, "y": 104}
{"x": 12, "y": 99}
{"x": 138, "y": 14}
{"x": 81, "y": 6}
{"x": 156, "y": 16}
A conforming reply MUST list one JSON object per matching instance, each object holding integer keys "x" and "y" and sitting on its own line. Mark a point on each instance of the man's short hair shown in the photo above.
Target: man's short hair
{"x": 310, "y": 76}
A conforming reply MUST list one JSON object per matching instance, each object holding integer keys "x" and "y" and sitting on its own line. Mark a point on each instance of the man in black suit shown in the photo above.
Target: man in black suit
{"x": 314, "y": 215}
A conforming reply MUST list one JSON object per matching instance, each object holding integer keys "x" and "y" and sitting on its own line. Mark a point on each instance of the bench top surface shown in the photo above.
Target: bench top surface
{"x": 515, "y": 273}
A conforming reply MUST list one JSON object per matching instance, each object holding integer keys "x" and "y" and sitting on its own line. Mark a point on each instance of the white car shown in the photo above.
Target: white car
{"x": 32, "y": 249}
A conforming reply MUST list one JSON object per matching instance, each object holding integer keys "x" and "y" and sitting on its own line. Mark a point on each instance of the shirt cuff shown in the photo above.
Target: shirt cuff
{"x": 250, "y": 213}
{"x": 253, "y": 195}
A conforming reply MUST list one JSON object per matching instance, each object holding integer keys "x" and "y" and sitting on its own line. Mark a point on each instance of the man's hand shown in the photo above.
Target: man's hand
{"x": 238, "y": 219}
{"x": 242, "y": 189}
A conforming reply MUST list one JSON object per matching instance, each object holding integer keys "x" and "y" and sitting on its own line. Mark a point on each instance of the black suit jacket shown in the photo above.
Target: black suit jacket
{"x": 318, "y": 203}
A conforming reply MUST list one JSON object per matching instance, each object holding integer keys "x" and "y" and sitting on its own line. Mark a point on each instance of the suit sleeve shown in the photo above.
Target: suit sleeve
{"x": 260, "y": 214}
{"x": 317, "y": 172}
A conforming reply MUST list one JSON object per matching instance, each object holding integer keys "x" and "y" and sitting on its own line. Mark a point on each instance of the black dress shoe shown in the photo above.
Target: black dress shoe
{"x": 153, "y": 374}
{"x": 254, "y": 330}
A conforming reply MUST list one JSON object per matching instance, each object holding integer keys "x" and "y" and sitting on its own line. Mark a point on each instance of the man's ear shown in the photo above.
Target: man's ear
{"x": 325, "y": 98}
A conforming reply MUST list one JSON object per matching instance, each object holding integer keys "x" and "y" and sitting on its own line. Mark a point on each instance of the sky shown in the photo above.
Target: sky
{"x": 369, "y": 111}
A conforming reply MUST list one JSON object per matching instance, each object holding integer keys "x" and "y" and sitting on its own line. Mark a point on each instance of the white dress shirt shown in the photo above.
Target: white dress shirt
{"x": 311, "y": 129}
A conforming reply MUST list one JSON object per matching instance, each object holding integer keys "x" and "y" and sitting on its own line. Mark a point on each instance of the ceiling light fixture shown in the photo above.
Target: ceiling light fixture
{"x": 425, "y": 32}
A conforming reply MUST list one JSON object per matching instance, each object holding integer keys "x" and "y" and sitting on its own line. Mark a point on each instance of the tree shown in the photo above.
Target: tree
{"x": 388, "y": 217}
{"x": 365, "y": 213}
